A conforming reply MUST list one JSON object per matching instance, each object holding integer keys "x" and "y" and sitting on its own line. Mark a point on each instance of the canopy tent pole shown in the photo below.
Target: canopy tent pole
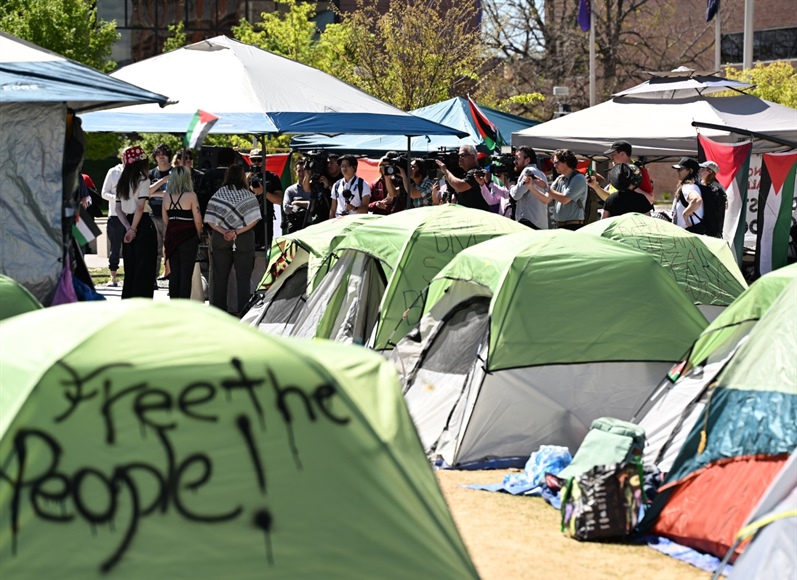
{"x": 265, "y": 199}
{"x": 762, "y": 136}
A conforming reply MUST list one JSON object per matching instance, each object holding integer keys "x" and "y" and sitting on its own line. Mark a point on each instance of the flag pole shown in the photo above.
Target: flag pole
{"x": 717, "y": 41}
{"x": 592, "y": 89}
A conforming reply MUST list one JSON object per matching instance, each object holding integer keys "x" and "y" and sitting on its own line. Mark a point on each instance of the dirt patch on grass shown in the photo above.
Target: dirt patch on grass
{"x": 519, "y": 537}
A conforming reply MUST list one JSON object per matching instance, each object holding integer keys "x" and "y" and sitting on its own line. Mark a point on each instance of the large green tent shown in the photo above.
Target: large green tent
{"x": 152, "y": 440}
{"x": 374, "y": 294}
{"x": 298, "y": 262}
{"x": 679, "y": 402}
{"x": 527, "y": 338}
{"x": 15, "y": 298}
{"x": 703, "y": 266}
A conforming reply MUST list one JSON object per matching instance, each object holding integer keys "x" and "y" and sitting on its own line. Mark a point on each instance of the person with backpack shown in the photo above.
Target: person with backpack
{"x": 625, "y": 178}
{"x": 715, "y": 199}
{"x": 350, "y": 194}
{"x": 687, "y": 207}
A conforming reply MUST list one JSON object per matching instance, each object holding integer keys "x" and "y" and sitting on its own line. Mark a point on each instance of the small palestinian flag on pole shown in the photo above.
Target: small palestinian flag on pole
{"x": 198, "y": 129}
{"x": 84, "y": 229}
{"x": 489, "y": 133}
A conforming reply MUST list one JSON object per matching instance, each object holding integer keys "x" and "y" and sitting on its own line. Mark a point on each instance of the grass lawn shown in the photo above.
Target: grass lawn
{"x": 519, "y": 537}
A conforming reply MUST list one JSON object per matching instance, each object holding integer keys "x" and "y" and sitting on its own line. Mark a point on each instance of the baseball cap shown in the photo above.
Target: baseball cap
{"x": 256, "y": 153}
{"x": 625, "y": 176}
{"x": 623, "y": 146}
{"x": 711, "y": 165}
{"x": 687, "y": 163}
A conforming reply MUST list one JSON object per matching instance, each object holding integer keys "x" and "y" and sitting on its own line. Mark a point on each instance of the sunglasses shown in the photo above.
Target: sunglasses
{"x": 465, "y": 154}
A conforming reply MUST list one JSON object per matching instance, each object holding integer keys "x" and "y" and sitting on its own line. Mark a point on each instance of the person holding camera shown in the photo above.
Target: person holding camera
{"x": 417, "y": 184}
{"x": 381, "y": 202}
{"x": 297, "y": 200}
{"x": 267, "y": 196}
{"x": 350, "y": 194}
{"x": 568, "y": 191}
{"x": 531, "y": 206}
{"x": 467, "y": 190}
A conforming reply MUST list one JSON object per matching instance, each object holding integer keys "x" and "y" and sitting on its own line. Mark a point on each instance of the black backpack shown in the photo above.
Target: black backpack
{"x": 714, "y": 200}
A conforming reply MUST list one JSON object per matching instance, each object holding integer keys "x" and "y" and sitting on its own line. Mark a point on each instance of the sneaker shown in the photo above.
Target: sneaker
{"x": 113, "y": 283}
{"x": 164, "y": 277}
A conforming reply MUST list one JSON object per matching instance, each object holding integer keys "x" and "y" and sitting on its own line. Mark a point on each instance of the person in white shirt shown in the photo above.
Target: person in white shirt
{"x": 350, "y": 194}
{"x": 113, "y": 228}
{"x": 687, "y": 207}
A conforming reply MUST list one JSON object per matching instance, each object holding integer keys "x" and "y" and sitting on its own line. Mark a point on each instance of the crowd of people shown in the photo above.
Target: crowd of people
{"x": 168, "y": 211}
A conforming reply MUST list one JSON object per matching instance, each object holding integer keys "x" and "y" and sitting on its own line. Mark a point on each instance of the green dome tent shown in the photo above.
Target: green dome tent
{"x": 298, "y": 262}
{"x": 152, "y": 440}
{"x": 526, "y": 339}
{"x": 373, "y": 295}
{"x": 679, "y": 402}
{"x": 703, "y": 266}
{"x": 15, "y": 298}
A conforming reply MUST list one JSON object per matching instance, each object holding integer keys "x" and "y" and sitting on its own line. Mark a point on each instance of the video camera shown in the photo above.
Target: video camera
{"x": 315, "y": 163}
{"x": 393, "y": 162}
{"x": 504, "y": 163}
{"x": 449, "y": 157}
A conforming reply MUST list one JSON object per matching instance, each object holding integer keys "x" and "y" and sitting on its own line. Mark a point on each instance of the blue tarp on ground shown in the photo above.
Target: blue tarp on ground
{"x": 452, "y": 113}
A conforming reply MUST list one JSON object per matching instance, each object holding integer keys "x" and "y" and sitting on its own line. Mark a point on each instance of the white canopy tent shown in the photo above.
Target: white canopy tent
{"x": 661, "y": 127}
{"x": 252, "y": 91}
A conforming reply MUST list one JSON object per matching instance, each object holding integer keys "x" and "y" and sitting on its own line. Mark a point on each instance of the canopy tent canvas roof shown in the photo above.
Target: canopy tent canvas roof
{"x": 261, "y": 457}
{"x": 31, "y": 74}
{"x": 454, "y": 112}
{"x": 662, "y": 127}
{"x": 252, "y": 91}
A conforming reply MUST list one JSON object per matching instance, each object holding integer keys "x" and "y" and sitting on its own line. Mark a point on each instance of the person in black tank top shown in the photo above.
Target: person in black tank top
{"x": 183, "y": 228}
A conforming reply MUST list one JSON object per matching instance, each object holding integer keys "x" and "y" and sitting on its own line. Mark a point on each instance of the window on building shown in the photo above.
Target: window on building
{"x": 777, "y": 44}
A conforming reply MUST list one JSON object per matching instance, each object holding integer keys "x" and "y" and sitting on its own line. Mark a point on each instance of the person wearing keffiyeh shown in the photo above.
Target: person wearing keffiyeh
{"x": 232, "y": 212}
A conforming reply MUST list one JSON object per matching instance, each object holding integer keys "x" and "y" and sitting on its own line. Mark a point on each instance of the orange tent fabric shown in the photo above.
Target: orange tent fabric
{"x": 708, "y": 507}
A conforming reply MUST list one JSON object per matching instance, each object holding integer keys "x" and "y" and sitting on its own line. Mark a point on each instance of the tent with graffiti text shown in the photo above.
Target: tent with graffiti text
{"x": 125, "y": 458}
{"x": 298, "y": 262}
{"x": 703, "y": 266}
{"x": 374, "y": 294}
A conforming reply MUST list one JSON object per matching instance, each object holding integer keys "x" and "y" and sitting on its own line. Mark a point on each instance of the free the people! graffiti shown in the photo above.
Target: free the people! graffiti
{"x": 121, "y": 449}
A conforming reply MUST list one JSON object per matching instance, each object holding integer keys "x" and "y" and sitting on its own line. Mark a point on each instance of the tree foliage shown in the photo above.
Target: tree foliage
{"x": 417, "y": 53}
{"x": 776, "y": 82}
{"x": 542, "y": 45}
{"x": 177, "y": 37}
{"x": 69, "y": 27}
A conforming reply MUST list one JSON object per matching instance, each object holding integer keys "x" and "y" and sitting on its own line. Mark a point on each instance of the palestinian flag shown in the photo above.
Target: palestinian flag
{"x": 489, "y": 133}
{"x": 734, "y": 163}
{"x": 198, "y": 129}
{"x": 84, "y": 229}
{"x": 775, "y": 205}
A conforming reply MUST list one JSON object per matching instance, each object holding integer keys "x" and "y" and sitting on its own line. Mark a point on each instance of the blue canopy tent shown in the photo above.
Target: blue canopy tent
{"x": 38, "y": 88}
{"x": 454, "y": 113}
{"x": 252, "y": 91}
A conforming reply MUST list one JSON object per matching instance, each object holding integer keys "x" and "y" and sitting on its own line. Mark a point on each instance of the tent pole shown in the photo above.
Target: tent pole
{"x": 265, "y": 199}
{"x": 408, "y": 201}
{"x": 762, "y": 136}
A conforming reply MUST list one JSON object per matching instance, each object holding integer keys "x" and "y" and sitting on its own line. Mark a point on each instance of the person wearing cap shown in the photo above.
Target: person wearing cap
{"x": 568, "y": 191}
{"x": 620, "y": 152}
{"x": 140, "y": 249}
{"x": 708, "y": 176}
{"x": 625, "y": 178}
{"x": 687, "y": 207}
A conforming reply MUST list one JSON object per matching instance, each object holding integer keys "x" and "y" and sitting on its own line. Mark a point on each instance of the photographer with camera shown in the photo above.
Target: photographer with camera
{"x": 297, "y": 200}
{"x": 381, "y": 202}
{"x": 467, "y": 190}
{"x": 266, "y": 196}
{"x": 418, "y": 185}
{"x": 350, "y": 194}
{"x": 531, "y": 206}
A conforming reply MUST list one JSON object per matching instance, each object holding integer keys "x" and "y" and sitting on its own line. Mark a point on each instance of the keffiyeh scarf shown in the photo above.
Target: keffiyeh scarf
{"x": 232, "y": 208}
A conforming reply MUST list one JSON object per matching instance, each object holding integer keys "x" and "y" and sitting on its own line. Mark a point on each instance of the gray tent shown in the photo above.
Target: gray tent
{"x": 37, "y": 88}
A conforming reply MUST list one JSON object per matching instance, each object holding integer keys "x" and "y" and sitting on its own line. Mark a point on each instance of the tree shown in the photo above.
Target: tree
{"x": 776, "y": 82}
{"x": 542, "y": 46}
{"x": 418, "y": 53}
{"x": 69, "y": 27}
{"x": 177, "y": 37}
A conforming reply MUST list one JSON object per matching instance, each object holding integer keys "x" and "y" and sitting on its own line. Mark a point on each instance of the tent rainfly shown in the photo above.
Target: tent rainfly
{"x": 527, "y": 338}
{"x": 15, "y": 298}
{"x": 374, "y": 295}
{"x": 297, "y": 264}
{"x": 264, "y": 458}
{"x": 679, "y": 402}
